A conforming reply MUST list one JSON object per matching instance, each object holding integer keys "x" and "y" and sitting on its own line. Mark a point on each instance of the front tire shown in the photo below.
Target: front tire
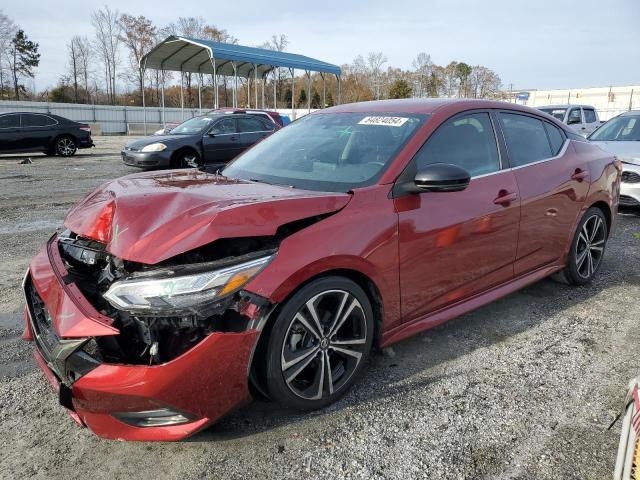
{"x": 587, "y": 248}
{"x": 319, "y": 343}
{"x": 185, "y": 159}
{"x": 66, "y": 146}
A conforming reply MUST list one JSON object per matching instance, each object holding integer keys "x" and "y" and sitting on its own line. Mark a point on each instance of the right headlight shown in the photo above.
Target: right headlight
{"x": 181, "y": 294}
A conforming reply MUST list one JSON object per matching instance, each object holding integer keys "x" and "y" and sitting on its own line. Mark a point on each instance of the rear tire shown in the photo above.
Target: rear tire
{"x": 66, "y": 146}
{"x": 319, "y": 343}
{"x": 587, "y": 248}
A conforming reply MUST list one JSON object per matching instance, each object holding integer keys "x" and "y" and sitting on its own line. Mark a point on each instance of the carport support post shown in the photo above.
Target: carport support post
{"x": 144, "y": 105}
{"x": 249, "y": 89}
{"x": 293, "y": 93}
{"x": 255, "y": 82}
{"x": 215, "y": 84}
{"x": 275, "y": 92}
{"x": 181, "y": 96}
{"x": 162, "y": 98}
{"x": 199, "y": 93}
{"x": 235, "y": 86}
{"x": 339, "y": 92}
{"x": 324, "y": 91}
{"x": 264, "y": 80}
{"x": 309, "y": 91}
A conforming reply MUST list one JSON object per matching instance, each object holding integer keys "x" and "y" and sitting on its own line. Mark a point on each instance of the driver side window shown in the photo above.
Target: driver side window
{"x": 467, "y": 141}
{"x": 226, "y": 126}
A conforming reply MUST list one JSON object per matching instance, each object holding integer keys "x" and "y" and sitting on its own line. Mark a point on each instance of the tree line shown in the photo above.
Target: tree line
{"x": 104, "y": 69}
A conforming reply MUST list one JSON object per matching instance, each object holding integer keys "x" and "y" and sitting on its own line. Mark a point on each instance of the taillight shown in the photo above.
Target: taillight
{"x": 85, "y": 128}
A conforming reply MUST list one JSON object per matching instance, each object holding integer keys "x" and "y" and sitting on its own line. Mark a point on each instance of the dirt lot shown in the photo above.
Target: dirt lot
{"x": 523, "y": 388}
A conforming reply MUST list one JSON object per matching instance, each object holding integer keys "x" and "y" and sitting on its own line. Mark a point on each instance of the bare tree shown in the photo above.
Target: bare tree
{"x": 83, "y": 48}
{"x": 74, "y": 64}
{"x": 7, "y": 31}
{"x": 483, "y": 82}
{"x": 423, "y": 67}
{"x": 277, "y": 44}
{"x": 138, "y": 35}
{"x": 107, "y": 43}
{"x": 375, "y": 60}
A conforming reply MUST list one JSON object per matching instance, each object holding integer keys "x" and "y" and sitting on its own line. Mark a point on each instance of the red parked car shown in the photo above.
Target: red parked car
{"x": 170, "y": 294}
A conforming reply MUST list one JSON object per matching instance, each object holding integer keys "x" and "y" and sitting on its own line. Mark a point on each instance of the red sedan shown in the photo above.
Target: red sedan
{"x": 171, "y": 297}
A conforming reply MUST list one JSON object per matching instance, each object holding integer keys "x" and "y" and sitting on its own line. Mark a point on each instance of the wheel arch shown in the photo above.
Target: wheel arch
{"x": 256, "y": 372}
{"x": 606, "y": 210}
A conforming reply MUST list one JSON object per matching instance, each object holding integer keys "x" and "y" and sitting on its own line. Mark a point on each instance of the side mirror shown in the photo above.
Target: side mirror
{"x": 441, "y": 177}
{"x": 211, "y": 134}
{"x": 573, "y": 121}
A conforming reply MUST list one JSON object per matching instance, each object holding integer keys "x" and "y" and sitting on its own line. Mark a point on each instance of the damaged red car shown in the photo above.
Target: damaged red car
{"x": 170, "y": 298}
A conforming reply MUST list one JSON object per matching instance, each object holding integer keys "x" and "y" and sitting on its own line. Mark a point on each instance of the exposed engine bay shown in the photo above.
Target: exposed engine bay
{"x": 153, "y": 337}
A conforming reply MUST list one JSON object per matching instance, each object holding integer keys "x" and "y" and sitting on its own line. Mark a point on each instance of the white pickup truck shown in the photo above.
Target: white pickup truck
{"x": 581, "y": 118}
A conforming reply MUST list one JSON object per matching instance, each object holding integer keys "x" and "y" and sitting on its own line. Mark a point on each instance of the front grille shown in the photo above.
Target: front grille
{"x": 41, "y": 323}
{"x": 627, "y": 201}
{"x": 67, "y": 359}
{"x": 630, "y": 177}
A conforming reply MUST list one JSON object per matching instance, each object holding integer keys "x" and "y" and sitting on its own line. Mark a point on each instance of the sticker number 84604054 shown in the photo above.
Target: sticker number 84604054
{"x": 383, "y": 120}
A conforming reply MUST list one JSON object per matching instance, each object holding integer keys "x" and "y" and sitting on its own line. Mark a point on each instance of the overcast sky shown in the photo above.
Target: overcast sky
{"x": 529, "y": 43}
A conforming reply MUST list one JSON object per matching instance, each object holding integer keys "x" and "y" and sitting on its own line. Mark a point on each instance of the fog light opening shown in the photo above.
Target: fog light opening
{"x": 154, "y": 418}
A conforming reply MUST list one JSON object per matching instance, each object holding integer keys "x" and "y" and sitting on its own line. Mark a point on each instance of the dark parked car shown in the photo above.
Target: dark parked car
{"x": 211, "y": 139}
{"x": 169, "y": 293}
{"x": 39, "y": 132}
{"x": 269, "y": 115}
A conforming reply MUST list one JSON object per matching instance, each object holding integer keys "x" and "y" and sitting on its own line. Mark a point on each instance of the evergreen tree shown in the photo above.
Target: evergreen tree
{"x": 23, "y": 58}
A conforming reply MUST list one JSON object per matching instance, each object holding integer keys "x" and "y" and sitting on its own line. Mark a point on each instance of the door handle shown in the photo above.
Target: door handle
{"x": 504, "y": 198}
{"x": 579, "y": 175}
{"x": 234, "y": 138}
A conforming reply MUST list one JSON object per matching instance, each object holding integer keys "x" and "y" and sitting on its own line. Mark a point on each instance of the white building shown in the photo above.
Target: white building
{"x": 608, "y": 101}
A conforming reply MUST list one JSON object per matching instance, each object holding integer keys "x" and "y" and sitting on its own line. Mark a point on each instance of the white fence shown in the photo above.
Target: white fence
{"x": 114, "y": 120}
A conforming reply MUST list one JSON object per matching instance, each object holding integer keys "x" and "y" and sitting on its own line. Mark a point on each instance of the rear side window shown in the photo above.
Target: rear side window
{"x": 35, "y": 120}
{"x": 9, "y": 121}
{"x": 574, "y": 116}
{"x": 247, "y": 125}
{"x": 226, "y": 126}
{"x": 556, "y": 137}
{"x": 526, "y": 139}
{"x": 467, "y": 141}
{"x": 589, "y": 115}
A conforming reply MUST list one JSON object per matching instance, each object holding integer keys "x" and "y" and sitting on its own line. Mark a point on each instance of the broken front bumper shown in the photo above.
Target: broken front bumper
{"x": 196, "y": 388}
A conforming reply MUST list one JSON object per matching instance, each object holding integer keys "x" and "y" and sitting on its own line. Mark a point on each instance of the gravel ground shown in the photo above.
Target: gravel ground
{"x": 523, "y": 388}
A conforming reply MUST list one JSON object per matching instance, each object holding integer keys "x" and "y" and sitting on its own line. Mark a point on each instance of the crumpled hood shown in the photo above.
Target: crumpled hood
{"x": 626, "y": 151}
{"x": 150, "y": 217}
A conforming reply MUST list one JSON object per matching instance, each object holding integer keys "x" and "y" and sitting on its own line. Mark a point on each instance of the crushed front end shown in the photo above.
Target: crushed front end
{"x": 145, "y": 352}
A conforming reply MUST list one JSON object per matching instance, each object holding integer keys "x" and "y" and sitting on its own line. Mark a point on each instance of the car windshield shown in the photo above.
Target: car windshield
{"x": 192, "y": 126}
{"x": 328, "y": 151}
{"x": 621, "y": 129}
{"x": 555, "y": 112}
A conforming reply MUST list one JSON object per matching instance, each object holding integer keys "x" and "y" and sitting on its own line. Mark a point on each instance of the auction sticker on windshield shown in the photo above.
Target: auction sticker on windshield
{"x": 389, "y": 121}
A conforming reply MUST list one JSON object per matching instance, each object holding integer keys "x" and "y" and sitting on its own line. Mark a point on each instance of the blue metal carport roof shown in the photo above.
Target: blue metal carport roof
{"x": 196, "y": 55}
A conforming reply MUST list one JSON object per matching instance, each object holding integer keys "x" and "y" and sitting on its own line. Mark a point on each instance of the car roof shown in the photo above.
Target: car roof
{"x": 630, "y": 113}
{"x": 425, "y": 106}
{"x": 565, "y": 105}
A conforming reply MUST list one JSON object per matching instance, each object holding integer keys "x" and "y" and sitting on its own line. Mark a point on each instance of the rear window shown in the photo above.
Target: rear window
{"x": 248, "y": 125}
{"x": 9, "y": 121}
{"x": 526, "y": 139}
{"x": 589, "y": 115}
{"x": 555, "y": 112}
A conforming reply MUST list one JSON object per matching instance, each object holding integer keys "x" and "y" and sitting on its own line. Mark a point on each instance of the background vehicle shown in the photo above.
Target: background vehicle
{"x": 583, "y": 119}
{"x": 621, "y": 137}
{"x": 270, "y": 115}
{"x": 359, "y": 224}
{"x": 39, "y": 132}
{"x": 211, "y": 139}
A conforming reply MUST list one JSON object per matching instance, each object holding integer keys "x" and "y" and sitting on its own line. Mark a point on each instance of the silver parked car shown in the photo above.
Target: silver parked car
{"x": 583, "y": 119}
{"x": 621, "y": 136}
